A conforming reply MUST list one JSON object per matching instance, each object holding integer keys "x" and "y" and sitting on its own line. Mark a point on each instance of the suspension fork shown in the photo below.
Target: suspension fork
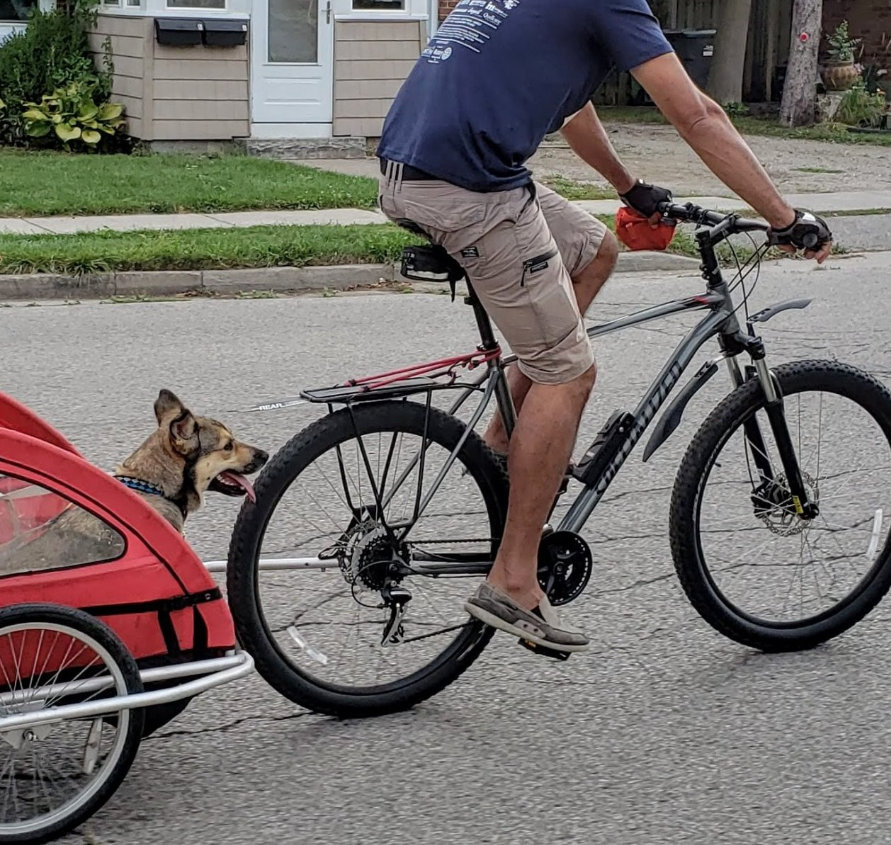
{"x": 776, "y": 414}
{"x": 774, "y": 407}
{"x": 751, "y": 428}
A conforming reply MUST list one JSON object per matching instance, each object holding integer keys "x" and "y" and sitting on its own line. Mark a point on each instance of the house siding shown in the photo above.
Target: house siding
{"x": 131, "y": 55}
{"x": 371, "y": 61}
{"x": 192, "y": 93}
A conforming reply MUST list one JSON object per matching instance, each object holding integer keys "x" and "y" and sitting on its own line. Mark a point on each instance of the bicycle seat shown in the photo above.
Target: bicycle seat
{"x": 430, "y": 263}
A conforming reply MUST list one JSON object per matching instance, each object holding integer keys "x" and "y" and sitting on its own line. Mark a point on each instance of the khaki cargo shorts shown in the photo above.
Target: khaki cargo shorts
{"x": 520, "y": 249}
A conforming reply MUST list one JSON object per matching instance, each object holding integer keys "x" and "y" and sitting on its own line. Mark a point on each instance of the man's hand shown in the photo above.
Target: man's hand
{"x": 703, "y": 124}
{"x": 645, "y": 199}
{"x": 809, "y": 233}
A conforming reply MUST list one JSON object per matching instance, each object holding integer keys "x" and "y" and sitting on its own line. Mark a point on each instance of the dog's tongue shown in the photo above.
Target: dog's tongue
{"x": 240, "y": 481}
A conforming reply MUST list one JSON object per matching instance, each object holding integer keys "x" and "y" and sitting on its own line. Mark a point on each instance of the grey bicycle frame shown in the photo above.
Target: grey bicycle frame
{"x": 720, "y": 320}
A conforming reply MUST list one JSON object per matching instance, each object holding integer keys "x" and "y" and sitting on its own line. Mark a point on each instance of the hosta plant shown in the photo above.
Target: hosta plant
{"x": 70, "y": 116}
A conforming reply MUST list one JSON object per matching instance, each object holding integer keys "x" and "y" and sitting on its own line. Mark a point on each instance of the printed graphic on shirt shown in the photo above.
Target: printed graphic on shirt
{"x": 470, "y": 25}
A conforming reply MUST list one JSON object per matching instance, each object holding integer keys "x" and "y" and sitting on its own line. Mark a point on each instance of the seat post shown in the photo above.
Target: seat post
{"x": 484, "y": 324}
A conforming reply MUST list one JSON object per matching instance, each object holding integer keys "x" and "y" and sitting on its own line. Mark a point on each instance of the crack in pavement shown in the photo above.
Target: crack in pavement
{"x": 230, "y": 726}
{"x": 643, "y": 582}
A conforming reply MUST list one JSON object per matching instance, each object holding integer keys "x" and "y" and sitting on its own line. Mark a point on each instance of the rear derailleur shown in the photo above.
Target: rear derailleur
{"x": 396, "y": 597}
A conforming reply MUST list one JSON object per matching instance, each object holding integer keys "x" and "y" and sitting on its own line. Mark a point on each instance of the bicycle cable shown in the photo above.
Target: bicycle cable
{"x": 745, "y": 270}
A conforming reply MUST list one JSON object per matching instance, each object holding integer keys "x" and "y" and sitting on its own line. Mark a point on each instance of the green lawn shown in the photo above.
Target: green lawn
{"x": 34, "y": 184}
{"x": 832, "y": 132}
{"x": 201, "y": 249}
{"x": 42, "y": 183}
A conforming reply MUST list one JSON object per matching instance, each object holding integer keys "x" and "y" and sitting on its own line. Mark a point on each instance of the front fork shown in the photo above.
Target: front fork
{"x": 774, "y": 406}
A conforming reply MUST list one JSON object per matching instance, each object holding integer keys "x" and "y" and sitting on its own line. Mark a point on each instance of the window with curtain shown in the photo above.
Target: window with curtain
{"x": 16, "y": 10}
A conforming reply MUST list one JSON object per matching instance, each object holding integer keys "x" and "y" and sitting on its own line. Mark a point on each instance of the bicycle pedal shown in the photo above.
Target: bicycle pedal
{"x": 544, "y": 650}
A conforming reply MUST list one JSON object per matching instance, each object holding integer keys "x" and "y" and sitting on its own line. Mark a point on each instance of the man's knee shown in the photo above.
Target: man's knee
{"x": 587, "y": 379}
{"x": 608, "y": 254}
{"x": 601, "y": 266}
{"x": 605, "y": 261}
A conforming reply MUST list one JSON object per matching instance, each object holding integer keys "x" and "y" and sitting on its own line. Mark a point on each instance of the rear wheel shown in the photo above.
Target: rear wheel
{"x": 751, "y": 566}
{"x": 341, "y": 619}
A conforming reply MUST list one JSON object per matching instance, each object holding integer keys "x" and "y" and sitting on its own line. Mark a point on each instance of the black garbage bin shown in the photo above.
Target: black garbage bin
{"x": 695, "y": 48}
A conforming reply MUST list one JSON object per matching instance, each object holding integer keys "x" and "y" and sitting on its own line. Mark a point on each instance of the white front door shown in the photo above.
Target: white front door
{"x": 292, "y": 78}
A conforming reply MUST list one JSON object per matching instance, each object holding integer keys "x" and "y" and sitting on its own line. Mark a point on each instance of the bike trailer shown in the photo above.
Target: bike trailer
{"x": 117, "y": 559}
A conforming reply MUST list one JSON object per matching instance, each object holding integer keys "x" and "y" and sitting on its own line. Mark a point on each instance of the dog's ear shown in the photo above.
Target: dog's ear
{"x": 178, "y": 419}
{"x": 184, "y": 433}
{"x": 168, "y": 406}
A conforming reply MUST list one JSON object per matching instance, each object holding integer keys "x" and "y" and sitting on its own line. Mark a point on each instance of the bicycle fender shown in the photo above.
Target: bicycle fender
{"x": 671, "y": 419}
{"x": 771, "y": 311}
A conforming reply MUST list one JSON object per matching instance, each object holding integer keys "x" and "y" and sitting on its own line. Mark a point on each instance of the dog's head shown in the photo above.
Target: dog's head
{"x": 212, "y": 459}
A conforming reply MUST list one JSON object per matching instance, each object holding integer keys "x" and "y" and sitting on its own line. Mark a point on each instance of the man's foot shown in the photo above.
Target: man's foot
{"x": 542, "y": 626}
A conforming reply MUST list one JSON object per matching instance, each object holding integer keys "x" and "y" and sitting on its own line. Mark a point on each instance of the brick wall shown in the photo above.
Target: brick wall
{"x": 868, "y": 19}
{"x": 446, "y": 6}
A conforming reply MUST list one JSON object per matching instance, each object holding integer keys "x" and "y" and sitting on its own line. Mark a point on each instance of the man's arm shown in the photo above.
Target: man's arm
{"x": 703, "y": 124}
{"x": 588, "y": 140}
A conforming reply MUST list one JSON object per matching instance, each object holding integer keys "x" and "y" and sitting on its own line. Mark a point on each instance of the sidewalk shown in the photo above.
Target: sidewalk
{"x": 844, "y": 202}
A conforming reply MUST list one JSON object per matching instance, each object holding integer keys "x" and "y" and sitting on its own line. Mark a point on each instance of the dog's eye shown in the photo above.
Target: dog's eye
{"x": 228, "y": 447}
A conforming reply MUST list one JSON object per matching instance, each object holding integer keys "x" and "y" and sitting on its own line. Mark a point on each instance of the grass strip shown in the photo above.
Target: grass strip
{"x": 201, "y": 249}
{"x": 41, "y": 183}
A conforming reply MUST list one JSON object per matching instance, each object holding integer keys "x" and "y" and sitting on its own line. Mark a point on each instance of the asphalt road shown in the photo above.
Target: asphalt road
{"x": 664, "y": 732}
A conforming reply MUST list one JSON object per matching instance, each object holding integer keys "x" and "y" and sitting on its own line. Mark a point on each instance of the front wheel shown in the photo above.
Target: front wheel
{"x": 751, "y": 566}
{"x": 347, "y": 578}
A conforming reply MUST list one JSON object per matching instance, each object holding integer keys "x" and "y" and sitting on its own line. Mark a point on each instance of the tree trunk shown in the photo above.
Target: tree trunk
{"x": 800, "y": 91}
{"x": 725, "y": 79}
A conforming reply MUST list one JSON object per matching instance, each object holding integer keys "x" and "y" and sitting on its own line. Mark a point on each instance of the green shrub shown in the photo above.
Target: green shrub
{"x": 52, "y": 53}
{"x": 74, "y": 116}
{"x": 859, "y": 107}
{"x": 736, "y": 109}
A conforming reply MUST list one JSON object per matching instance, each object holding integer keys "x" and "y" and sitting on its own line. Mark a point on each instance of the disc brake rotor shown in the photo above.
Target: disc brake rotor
{"x": 775, "y": 508}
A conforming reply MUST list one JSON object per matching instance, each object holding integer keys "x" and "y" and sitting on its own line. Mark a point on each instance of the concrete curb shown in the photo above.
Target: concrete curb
{"x": 40, "y": 286}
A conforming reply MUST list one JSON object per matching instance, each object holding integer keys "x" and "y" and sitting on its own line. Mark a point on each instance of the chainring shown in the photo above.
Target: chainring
{"x": 564, "y": 566}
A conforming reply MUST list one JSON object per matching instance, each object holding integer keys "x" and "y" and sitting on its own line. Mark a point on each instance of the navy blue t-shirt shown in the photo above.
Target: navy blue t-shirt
{"x": 499, "y": 75}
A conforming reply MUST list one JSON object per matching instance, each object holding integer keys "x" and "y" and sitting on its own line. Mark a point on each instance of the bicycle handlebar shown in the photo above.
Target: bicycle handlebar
{"x": 732, "y": 224}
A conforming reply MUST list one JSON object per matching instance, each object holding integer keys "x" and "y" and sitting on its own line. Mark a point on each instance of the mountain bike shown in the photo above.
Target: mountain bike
{"x": 347, "y": 576}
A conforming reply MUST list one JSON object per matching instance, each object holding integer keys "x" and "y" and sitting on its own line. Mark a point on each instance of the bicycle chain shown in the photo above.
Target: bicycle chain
{"x": 333, "y": 552}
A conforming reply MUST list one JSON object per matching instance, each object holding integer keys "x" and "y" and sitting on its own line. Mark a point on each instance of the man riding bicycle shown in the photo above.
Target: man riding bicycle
{"x": 496, "y": 78}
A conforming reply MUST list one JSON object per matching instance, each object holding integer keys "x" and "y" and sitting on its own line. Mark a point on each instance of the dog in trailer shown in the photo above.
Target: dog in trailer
{"x": 183, "y": 458}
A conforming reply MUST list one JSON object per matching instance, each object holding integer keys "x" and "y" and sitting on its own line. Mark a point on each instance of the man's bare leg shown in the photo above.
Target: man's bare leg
{"x": 539, "y": 452}
{"x": 587, "y": 285}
